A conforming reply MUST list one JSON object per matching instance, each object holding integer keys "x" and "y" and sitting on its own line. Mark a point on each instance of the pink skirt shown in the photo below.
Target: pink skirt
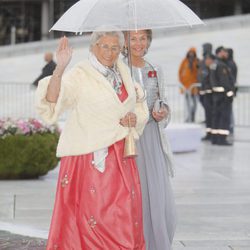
{"x": 95, "y": 210}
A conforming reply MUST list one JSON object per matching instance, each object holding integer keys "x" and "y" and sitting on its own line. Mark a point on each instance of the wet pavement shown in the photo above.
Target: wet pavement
{"x": 212, "y": 192}
{"x": 10, "y": 241}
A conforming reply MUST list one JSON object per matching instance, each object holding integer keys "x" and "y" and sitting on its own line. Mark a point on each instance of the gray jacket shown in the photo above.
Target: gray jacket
{"x": 163, "y": 124}
{"x": 157, "y": 82}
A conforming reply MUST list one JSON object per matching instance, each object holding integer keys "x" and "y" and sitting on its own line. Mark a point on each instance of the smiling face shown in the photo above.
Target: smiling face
{"x": 138, "y": 43}
{"x": 107, "y": 50}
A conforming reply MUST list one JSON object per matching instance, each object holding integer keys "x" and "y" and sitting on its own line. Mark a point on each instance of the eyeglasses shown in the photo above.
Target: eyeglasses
{"x": 106, "y": 48}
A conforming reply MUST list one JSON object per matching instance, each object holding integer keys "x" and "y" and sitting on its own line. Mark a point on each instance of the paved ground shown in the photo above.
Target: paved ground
{"x": 211, "y": 187}
{"x": 212, "y": 190}
{"x": 10, "y": 241}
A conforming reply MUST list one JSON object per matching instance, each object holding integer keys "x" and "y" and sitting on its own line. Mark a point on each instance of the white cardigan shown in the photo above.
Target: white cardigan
{"x": 96, "y": 110}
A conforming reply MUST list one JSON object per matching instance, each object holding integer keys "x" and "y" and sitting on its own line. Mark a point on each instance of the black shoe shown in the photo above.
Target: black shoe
{"x": 214, "y": 139}
{"x": 222, "y": 141}
{"x": 225, "y": 143}
{"x": 206, "y": 138}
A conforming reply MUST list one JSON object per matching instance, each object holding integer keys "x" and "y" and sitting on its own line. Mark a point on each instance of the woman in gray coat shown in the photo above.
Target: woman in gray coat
{"x": 154, "y": 154}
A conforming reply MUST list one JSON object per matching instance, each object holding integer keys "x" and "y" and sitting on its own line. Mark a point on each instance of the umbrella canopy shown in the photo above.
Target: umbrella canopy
{"x": 87, "y": 15}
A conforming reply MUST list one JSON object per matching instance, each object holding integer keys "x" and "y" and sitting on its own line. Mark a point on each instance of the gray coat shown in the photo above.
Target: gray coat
{"x": 163, "y": 124}
{"x": 159, "y": 83}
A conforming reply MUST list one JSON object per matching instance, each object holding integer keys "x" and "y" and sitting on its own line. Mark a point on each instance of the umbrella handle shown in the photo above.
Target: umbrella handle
{"x": 129, "y": 56}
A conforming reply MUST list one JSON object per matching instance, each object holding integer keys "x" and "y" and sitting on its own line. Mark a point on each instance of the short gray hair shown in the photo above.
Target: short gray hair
{"x": 97, "y": 35}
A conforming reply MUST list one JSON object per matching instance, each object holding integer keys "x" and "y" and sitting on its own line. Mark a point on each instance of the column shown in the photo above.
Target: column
{"x": 45, "y": 20}
{"x": 198, "y": 8}
{"x": 51, "y": 17}
{"x": 237, "y": 7}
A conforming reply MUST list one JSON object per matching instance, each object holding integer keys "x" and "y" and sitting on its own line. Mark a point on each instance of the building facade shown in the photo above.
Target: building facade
{"x": 218, "y": 8}
{"x": 30, "y": 20}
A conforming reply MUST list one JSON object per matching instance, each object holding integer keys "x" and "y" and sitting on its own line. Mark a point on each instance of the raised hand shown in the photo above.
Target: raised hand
{"x": 63, "y": 53}
{"x": 63, "y": 56}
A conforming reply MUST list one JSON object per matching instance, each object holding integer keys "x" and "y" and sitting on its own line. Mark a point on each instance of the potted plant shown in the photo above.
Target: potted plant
{"x": 27, "y": 148}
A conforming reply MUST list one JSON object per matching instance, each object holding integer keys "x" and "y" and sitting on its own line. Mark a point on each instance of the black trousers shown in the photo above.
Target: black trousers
{"x": 221, "y": 111}
{"x": 208, "y": 107}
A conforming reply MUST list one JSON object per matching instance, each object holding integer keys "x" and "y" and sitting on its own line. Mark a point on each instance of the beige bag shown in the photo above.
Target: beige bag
{"x": 130, "y": 146}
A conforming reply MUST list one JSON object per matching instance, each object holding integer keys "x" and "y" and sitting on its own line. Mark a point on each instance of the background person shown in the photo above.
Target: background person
{"x": 48, "y": 69}
{"x": 188, "y": 75}
{"x": 205, "y": 91}
{"x": 234, "y": 72}
{"x": 222, "y": 96}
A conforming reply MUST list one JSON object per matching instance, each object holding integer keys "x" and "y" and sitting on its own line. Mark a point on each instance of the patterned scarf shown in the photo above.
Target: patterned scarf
{"x": 112, "y": 74}
{"x": 114, "y": 77}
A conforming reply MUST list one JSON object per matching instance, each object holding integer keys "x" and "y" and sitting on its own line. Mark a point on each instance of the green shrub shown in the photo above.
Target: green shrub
{"x": 25, "y": 157}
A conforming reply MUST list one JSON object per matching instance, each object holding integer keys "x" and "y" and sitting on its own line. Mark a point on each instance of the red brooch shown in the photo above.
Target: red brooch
{"x": 152, "y": 74}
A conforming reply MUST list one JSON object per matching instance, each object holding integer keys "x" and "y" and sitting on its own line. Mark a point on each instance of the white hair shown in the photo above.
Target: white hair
{"x": 97, "y": 35}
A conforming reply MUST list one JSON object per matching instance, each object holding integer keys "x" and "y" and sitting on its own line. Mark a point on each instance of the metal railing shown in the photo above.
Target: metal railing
{"x": 241, "y": 105}
{"x": 17, "y": 101}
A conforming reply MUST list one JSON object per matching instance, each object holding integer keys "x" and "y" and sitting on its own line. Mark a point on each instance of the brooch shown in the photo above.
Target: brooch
{"x": 152, "y": 74}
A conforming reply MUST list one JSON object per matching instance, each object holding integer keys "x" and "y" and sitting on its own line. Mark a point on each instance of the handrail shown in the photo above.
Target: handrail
{"x": 17, "y": 100}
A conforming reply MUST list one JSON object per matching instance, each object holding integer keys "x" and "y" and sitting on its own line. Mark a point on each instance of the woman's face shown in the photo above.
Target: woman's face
{"x": 191, "y": 54}
{"x": 138, "y": 43}
{"x": 107, "y": 50}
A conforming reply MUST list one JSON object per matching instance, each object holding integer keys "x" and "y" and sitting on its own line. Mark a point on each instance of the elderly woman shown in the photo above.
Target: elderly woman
{"x": 154, "y": 155}
{"x": 98, "y": 199}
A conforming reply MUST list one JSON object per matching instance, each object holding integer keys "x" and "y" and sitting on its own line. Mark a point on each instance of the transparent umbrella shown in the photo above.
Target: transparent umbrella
{"x": 87, "y": 15}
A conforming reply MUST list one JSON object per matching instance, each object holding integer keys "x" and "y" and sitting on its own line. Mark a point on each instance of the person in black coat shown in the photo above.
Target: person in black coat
{"x": 222, "y": 95}
{"x": 232, "y": 66}
{"x": 205, "y": 91}
{"x": 234, "y": 70}
{"x": 47, "y": 69}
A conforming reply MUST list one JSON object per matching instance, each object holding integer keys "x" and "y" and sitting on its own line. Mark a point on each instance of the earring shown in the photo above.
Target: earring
{"x": 125, "y": 51}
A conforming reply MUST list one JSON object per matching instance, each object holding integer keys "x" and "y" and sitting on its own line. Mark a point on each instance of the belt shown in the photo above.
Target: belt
{"x": 218, "y": 89}
{"x": 207, "y": 91}
{"x": 220, "y": 131}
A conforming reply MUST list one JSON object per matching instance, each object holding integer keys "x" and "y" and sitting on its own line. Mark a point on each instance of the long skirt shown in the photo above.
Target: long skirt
{"x": 95, "y": 210}
{"x": 159, "y": 217}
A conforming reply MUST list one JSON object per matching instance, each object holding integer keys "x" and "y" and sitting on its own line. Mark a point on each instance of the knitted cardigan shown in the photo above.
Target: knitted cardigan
{"x": 95, "y": 109}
